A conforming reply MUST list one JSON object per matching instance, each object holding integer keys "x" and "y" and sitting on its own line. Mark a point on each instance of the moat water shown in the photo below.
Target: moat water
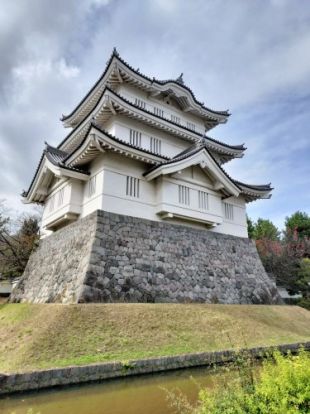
{"x": 133, "y": 395}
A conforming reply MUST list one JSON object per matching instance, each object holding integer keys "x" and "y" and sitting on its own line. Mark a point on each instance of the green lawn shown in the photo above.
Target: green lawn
{"x": 44, "y": 336}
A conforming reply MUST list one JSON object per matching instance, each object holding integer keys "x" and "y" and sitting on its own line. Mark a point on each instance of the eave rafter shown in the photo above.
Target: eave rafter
{"x": 200, "y": 157}
{"x": 50, "y": 166}
{"x": 222, "y": 181}
{"x": 118, "y": 71}
{"x": 98, "y": 140}
{"x": 111, "y": 103}
{"x": 254, "y": 192}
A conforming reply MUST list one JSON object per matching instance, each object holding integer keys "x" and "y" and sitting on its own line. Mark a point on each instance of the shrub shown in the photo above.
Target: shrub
{"x": 281, "y": 387}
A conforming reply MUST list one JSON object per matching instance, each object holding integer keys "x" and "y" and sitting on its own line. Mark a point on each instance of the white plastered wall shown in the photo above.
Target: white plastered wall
{"x": 170, "y": 145}
{"x": 130, "y": 93}
{"x": 111, "y": 171}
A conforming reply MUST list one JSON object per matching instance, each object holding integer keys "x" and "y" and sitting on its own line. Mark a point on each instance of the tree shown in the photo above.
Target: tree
{"x": 251, "y": 227}
{"x": 29, "y": 226}
{"x": 304, "y": 278}
{"x": 16, "y": 246}
{"x": 299, "y": 222}
{"x": 265, "y": 229}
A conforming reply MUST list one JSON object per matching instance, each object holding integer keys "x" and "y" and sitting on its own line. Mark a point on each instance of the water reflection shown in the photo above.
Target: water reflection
{"x": 135, "y": 395}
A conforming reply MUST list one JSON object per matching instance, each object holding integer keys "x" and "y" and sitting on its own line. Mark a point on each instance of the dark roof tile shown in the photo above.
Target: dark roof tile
{"x": 152, "y": 80}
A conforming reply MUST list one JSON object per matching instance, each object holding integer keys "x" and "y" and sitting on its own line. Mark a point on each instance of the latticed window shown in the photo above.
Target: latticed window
{"x": 203, "y": 200}
{"x": 184, "y": 195}
{"x": 155, "y": 145}
{"x": 51, "y": 203}
{"x": 158, "y": 111}
{"x": 91, "y": 186}
{"x": 191, "y": 126}
{"x": 228, "y": 211}
{"x": 175, "y": 119}
{"x": 140, "y": 103}
{"x": 132, "y": 187}
{"x": 135, "y": 138}
{"x": 61, "y": 194}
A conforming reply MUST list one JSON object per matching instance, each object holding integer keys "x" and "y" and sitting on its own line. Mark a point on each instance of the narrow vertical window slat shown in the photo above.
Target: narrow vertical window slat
{"x": 203, "y": 200}
{"x": 228, "y": 211}
{"x": 155, "y": 145}
{"x": 184, "y": 195}
{"x": 132, "y": 187}
{"x": 135, "y": 138}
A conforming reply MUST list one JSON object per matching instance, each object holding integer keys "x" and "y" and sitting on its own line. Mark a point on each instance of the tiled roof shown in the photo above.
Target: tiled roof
{"x": 114, "y": 138}
{"x": 56, "y": 157}
{"x": 152, "y": 80}
{"x": 256, "y": 187}
{"x": 202, "y": 146}
{"x": 233, "y": 147}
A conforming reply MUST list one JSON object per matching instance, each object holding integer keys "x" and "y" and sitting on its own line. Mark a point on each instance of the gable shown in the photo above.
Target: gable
{"x": 196, "y": 175}
{"x": 197, "y": 157}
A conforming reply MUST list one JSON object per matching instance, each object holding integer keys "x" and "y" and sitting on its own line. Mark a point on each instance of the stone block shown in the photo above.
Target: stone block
{"x": 105, "y": 256}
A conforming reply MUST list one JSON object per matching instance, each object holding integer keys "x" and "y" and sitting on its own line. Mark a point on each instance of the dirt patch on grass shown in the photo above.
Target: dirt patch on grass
{"x": 41, "y": 336}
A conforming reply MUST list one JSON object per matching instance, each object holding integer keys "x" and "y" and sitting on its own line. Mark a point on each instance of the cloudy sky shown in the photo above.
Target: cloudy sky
{"x": 249, "y": 56}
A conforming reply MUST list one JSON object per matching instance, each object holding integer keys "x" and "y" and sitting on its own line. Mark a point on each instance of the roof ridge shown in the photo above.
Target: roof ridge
{"x": 237, "y": 147}
{"x": 200, "y": 146}
{"x": 255, "y": 186}
{"x": 179, "y": 81}
{"x": 55, "y": 150}
{"x": 103, "y": 131}
{"x": 175, "y": 81}
{"x": 240, "y": 146}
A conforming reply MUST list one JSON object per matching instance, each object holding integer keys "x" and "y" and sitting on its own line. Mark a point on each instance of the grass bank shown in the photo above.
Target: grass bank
{"x": 52, "y": 335}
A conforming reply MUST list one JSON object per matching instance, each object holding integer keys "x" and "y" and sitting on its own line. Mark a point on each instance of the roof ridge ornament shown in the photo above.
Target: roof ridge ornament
{"x": 115, "y": 52}
{"x": 93, "y": 121}
{"x": 180, "y": 80}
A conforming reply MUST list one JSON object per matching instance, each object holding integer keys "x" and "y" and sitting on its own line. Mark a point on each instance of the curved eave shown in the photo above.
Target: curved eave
{"x": 113, "y": 102}
{"x": 201, "y": 156}
{"x": 252, "y": 192}
{"x": 98, "y": 140}
{"x": 117, "y": 70}
{"x": 48, "y": 167}
{"x": 233, "y": 149}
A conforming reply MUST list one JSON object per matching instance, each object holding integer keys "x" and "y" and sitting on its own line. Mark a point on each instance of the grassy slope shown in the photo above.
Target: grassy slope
{"x": 40, "y": 336}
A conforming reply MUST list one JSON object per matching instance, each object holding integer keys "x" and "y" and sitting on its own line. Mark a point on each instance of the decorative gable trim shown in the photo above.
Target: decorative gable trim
{"x": 202, "y": 158}
{"x": 110, "y": 101}
{"x": 98, "y": 140}
{"x": 118, "y": 70}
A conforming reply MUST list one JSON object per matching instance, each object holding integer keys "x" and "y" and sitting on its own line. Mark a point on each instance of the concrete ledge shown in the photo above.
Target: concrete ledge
{"x": 35, "y": 380}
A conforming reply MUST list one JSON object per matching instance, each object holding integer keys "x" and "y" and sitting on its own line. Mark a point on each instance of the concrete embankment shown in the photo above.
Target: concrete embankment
{"x": 35, "y": 380}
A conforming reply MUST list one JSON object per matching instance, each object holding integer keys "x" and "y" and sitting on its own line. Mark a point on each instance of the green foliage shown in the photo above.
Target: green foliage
{"x": 281, "y": 387}
{"x": 300, "y": 222}
{"x": 265, "y": 229}
{"x": 287, "y": 258}
{"x": 262, "y": 229}
{"x": 303, "y": 281}
{"x": 251, "y": 227}
{"x": 304, "y": 303}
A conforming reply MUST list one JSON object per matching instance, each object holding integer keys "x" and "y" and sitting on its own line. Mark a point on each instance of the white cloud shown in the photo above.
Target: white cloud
{"x": 251, "y": 57}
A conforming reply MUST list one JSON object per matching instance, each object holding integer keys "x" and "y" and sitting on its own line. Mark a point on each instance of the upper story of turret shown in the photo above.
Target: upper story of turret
{"x": 141, "y": 146}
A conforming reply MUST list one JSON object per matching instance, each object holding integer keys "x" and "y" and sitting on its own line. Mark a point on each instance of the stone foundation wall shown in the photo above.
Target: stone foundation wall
{"x": 56, "y": 270}
{"x": 108, "y": 257}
